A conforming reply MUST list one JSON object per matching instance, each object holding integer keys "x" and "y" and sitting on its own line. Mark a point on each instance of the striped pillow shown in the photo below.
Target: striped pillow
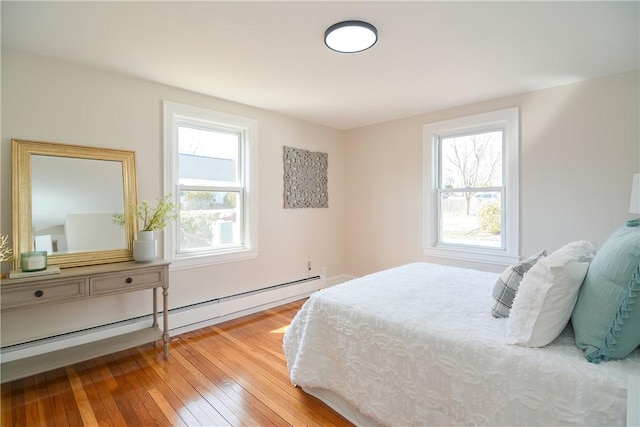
{"x": 504, "y": 291}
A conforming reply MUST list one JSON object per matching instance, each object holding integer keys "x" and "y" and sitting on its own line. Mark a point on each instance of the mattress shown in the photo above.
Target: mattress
{"x": 417, "y": 345}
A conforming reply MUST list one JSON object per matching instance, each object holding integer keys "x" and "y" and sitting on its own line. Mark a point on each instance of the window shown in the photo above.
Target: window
{"x": 209, "y": 170}
{"x": 471, "y": 188}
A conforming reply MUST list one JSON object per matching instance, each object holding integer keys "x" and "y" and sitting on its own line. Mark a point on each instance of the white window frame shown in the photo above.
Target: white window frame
{"x": 173, "y": 114}
{"x": 508, "y": 121}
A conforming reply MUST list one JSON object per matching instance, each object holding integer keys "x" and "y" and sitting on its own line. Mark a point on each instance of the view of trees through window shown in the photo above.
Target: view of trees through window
{"x": 470, "y": 189}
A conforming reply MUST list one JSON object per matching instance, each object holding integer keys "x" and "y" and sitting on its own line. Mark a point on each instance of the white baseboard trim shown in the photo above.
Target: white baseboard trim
{"x": 46, "y": 345}
{"x": 181, "y": 320}
{"x": 234, "y": 307}
{"x": 213, "y": 321}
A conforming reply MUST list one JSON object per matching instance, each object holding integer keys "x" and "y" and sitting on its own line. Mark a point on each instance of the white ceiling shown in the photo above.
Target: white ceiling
{"x": 429, "y": 56}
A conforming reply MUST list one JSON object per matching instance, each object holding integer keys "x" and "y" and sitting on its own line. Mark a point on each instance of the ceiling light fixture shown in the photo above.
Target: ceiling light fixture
{"x": 350, "y": 36}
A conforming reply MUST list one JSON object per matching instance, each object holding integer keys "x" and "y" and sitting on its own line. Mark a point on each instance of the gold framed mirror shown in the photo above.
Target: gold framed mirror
{"x": 63, "y": 200}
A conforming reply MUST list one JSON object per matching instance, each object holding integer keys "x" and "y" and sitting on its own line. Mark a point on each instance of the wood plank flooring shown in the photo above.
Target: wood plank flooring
{"x": 230, "y": 374}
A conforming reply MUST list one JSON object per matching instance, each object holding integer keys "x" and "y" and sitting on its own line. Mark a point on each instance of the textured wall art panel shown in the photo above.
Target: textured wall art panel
{"x": 305, "y": 179}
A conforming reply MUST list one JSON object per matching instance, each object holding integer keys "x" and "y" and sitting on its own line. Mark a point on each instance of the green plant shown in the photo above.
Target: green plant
{"x": 5, "y": 251}
{"x": 196, "y": 229}
{"x": 490, "y": 217}
{"x": 151, "y": 218}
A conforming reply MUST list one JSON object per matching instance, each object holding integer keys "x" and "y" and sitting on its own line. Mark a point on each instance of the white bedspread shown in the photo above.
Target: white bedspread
{"x": 417, "y": 345}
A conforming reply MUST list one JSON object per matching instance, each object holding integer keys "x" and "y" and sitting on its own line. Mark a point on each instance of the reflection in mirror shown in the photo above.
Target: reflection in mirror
{"x": 63, "y": 200}
{"x": 71, "y": 214}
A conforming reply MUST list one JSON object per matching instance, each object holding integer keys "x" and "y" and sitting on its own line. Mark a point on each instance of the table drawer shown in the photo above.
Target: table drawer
{"x": 35, "y": 294}
{"x": 127, "y": 281}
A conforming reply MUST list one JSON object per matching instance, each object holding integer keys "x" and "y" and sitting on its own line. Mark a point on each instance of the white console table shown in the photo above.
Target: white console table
{"x": 79, "y": 283}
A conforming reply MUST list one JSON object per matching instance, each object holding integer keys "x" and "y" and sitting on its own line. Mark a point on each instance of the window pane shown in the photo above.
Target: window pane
{"x": 209, "y": 219}
{"x": 471, "y": 218}
{"x": 206, "y": 157}
{"x": 472, "y": 160}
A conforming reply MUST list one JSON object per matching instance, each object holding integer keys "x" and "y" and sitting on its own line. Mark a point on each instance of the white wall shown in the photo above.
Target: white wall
{"x": 50, "y": 100}
{"x": 579, "y": 150}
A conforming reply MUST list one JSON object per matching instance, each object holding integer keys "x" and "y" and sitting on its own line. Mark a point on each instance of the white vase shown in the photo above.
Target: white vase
{"x": 145, "y": 247}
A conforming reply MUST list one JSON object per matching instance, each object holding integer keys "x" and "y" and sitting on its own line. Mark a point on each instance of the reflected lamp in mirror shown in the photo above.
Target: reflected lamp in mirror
{"x": 63, "y": 199}
{"x": 634, "y": 205}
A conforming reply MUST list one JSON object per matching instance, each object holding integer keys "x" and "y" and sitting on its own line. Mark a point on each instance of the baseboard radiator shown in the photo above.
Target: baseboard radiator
{"x": 181, "y": 319}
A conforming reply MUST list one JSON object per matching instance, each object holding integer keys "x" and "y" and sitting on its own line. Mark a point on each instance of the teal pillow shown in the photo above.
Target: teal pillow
{"x": 606, "y": 318}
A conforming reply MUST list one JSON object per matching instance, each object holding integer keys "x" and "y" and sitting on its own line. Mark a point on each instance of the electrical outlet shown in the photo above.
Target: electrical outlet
{"x": 324, "y": 272}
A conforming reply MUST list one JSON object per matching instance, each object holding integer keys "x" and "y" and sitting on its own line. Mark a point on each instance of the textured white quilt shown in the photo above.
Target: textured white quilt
{"x": 417, "y": 345}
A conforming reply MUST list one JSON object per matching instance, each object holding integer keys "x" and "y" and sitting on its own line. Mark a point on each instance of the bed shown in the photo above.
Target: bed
{"x": 417, "y": 345}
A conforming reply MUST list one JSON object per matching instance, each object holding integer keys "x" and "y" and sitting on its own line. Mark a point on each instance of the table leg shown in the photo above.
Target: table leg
{"x": 165, "y": 320}
{"x": 155, "y": 312}
{"x": 155, "y": 307}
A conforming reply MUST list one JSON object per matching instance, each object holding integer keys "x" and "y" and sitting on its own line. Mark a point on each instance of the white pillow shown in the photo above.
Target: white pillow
{"x": 547, "y": 294}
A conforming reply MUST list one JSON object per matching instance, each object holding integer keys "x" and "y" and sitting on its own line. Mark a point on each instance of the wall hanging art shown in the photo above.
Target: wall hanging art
{"x": 305, "y": 179}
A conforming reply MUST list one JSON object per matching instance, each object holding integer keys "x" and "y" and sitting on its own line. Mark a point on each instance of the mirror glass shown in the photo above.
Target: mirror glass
{"x": 74, "y": 215}
{"x": 64, "y": 197}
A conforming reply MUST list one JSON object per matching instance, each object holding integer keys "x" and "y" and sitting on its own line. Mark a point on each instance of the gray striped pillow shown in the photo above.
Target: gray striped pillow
{"x": 505, "y": 289}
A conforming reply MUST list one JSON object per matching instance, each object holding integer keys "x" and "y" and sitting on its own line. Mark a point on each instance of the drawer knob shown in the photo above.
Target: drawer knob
{"x": 38, "y": 294}
{"x": 128, "y": 280}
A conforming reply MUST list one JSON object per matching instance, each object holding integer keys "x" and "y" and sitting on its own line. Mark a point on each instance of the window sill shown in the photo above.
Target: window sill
{"x": 201, "y": 260}
{"x": 485, "y": 256}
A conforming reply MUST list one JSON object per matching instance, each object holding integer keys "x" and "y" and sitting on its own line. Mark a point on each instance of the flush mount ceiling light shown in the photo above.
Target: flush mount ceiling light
{"x": 350, "y": 36}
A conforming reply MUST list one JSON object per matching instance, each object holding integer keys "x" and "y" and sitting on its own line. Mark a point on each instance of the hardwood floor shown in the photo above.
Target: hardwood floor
{"x": 233, "y": 373}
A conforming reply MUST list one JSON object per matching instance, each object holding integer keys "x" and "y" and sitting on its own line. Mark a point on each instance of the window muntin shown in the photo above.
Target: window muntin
{"x": 210, "y": 168}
